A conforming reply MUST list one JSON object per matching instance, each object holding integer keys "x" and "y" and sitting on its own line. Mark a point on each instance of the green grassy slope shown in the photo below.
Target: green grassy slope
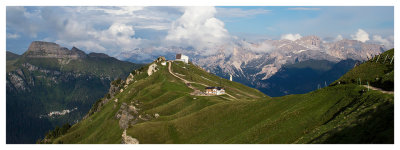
{"x": 11, "y": 58}
{"x": 340, "y": 113}
{"x": 377, "y": 72}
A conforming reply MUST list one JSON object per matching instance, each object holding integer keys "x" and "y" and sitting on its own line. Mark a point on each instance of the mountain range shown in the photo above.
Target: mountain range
{"x": 49, "y": 86}
{"x": 255, "y": 64}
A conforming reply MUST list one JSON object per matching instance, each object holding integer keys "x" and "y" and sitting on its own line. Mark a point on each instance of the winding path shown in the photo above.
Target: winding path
{"x": 188, "y": 83}
{"x": 378, "y": 89}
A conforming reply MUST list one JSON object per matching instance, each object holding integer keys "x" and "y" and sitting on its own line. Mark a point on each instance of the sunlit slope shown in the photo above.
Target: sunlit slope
{"x": 160, "y": 93}
{"x": 290, "y": 119}
{"x": 340, "y": 113}
{"x": 378, "y": 72}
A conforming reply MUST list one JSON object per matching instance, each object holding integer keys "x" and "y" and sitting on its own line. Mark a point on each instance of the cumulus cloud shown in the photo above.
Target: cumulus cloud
{"x": 116, "y": 39}
{"x": 197, "y": 27}
{"x": 388, "y": 43}
{"x": 102, "y": 29}
{"x": 361, "y": 35}
{"x": 261, "y": 47}
{"x": 21, "y": 21}
{"x": 339, "y": 38}
{"x": 292, "y": 37}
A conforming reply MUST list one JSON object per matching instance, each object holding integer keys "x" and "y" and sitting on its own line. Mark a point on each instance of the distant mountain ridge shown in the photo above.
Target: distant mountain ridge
{"x": 254, "y": 63}
{"x": 48, "y": 79}
{"x": 284, "y": 52}
{"x": 254, "y": 68}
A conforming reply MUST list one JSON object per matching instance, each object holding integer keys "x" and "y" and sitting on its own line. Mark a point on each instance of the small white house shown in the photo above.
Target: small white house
{"x": 163, "y": 63}
{"x": 181, "y": 57}
{"x": 215, "y": 90}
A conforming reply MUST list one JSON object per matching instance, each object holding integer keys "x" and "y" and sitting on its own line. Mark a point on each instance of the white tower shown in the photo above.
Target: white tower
{"x": 230, "y": 78}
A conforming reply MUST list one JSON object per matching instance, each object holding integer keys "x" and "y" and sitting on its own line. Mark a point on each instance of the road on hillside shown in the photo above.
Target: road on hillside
{"x": 188, "y": 83}
{"x": 378, "y": 89}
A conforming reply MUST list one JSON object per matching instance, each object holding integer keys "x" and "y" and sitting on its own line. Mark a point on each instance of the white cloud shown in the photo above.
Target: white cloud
{"x": 12, "y": 36}
{"x": 199, "y": 28}
{"x": 386, "y": 42}
{"x": 21, "y": 21}
{"x": 292, "y": 37}
{"x": 361, "y": 35}
{"x": 261, "y": 47}
{"x": 154, "y": 27}
{"x": 114, "y": 40}
{"x": 237, "y": 12}
{"x": 110, "y": 30}
{"x": 339, "y": 38}
{"x": 116, "y": 10}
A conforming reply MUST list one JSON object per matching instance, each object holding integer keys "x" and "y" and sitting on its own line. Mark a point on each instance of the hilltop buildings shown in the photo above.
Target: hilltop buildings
{"x": 215, "y": 90}
{"x": 181, "y": 57}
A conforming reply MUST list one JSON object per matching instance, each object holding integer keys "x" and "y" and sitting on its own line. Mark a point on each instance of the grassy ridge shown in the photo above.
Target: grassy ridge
{"x": 377, "y": 72}
{"x": 340, "y": 113}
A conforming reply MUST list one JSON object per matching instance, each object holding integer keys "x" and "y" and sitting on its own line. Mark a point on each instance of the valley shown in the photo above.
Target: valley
{"x": 49, "y": 86}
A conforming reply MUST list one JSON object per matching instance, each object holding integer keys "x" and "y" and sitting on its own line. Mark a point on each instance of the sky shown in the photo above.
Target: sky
{"x": 115, "y": 30}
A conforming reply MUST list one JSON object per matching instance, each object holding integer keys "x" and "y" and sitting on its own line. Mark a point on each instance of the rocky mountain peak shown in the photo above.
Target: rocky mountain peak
{"x": 81, "y": 53}
{"x": 37, "y": 46}
{"x": 41, "y": 49}
{"x": 311, "y": 41}
{"x": 98, "y": 55}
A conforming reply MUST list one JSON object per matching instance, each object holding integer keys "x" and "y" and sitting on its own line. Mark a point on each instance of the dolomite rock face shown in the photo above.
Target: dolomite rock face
{"x": 253, "y": 63}
{"x": 39, "y": 49}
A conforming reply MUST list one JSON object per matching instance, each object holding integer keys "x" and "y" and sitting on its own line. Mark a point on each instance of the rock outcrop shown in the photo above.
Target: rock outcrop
{"x": 152, "y": 69}
{"x": 130, "y": 114}
{"x": 40, "y": 49}
{"x": 126, "y": 139}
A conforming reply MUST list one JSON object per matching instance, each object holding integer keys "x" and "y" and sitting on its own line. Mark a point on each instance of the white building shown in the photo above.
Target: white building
{"x": 163, "y": 63}
{"x": 181, "y": 57}
{"x": 215, "y": 90}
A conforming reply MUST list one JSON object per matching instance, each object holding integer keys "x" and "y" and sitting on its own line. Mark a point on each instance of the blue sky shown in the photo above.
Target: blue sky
{"x": 113, "y": 30}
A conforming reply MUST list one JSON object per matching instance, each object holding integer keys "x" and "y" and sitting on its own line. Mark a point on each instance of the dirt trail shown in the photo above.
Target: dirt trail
{"x": 378, "y": 89}
{"x": 196, "y": 92}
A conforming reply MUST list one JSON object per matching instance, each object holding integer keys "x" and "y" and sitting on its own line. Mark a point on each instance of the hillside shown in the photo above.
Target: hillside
{"x": 45, "y": 91}
{"x": 378, "y": 72}
{"x": 161, "y": 108}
